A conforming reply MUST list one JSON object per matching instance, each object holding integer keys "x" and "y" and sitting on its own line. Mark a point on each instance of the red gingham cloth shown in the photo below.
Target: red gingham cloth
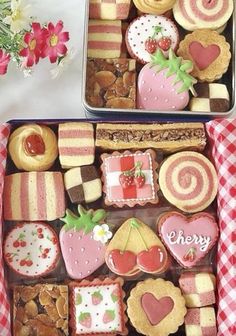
{"x": 222, "y": 134}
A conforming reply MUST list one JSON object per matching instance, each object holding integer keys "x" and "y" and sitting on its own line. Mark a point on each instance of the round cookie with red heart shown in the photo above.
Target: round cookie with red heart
{"x": 135, "y": 248}
{"x": 156, "y": 307}
{"x": 209, "y": 52}
{"x": 148, "y": 33}
{"x": 188, "y": 239}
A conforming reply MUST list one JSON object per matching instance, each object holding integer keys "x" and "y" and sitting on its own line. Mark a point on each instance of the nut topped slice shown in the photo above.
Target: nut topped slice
{"x": 40, "y": 310}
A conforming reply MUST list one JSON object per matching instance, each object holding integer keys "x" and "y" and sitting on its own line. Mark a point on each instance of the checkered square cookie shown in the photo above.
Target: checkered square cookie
{"x": 83, "y": 184}
{"x": 109, "y": 10}
{"x": 200, "y": 322}
{"x": 198, "y": 288}
{"x": 213, "y": 97}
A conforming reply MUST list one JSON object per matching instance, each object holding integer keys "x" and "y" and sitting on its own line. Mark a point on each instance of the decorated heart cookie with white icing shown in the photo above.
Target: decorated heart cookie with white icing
{"x": 188, "y": 239}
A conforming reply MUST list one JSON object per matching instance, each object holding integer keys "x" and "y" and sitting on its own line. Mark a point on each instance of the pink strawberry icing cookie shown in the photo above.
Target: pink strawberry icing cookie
{"x": 97, "y": 308}
{"x": 31, "y": 249}
{"x": 188, "y": 239}
{"x": 83, "y": 242}
{"x": 163, "y": 84}
{"x": 148, "y": 33}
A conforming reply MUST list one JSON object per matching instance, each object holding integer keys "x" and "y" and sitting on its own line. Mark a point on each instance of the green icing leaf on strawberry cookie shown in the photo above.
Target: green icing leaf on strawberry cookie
{"x": 78, "y": 299}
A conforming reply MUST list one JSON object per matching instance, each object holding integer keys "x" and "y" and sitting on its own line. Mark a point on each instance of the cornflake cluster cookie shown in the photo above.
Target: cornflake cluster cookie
{"x": 31, "y": 249}
{"x": 209, "y": 52}
{"x": 156, "y": 307}
{"x": 97, "y": 308}
{"x": 154, "y": 7}
{"x": 33, "y": 147}
{"x": 40, "y": 310}
{"x": 129, "y": 178}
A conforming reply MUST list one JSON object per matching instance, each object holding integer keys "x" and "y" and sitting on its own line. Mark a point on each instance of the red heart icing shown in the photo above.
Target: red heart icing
{"x": 188, "y": 239}
{"x": 203, "y": 56}
{"x": 156, "y": 310}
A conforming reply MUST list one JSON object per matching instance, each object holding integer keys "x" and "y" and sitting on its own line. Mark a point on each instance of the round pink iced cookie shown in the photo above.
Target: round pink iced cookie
{"x": 158, "y": 92}
{"x": 147, "y": 33}
{"x": 31, "y": 249}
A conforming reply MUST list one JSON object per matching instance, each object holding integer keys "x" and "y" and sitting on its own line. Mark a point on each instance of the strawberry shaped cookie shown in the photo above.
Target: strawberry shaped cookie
{"x": 83, "y": 241}
{"x": 135, "y": 248}
{"x": 163, "y": 84}
{"x": 31, "y": 249}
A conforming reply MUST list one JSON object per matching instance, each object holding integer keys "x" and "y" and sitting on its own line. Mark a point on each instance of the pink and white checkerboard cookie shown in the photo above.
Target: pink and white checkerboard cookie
{"x": 109, "y": 10}
{"x": 198, "y": 289}
{"x": 130, "y": 178}
{"x": 200, "y": 322}
{"x": 31, "y": 249}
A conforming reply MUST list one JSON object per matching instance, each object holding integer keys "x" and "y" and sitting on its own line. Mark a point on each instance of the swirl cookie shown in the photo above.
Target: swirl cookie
{"x": 197, "y": 14}
{"x": 209, "y": 52}
{"x": 33, "y": 147}
{"x": 188, "y": 180}
{"x": 153, "y": 6}
{"x": 148, "y": 33}
{"x": 156, "y": 307}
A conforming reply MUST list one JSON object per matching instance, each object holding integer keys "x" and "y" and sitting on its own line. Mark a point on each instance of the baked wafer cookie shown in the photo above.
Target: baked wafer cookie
{"x": 213, "y": 97}
{"x": 109, "y": 10}
{"x": 166, "y": 137}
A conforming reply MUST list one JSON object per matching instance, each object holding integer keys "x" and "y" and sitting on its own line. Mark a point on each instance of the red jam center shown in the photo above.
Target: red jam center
{"x": 34, "y": 145}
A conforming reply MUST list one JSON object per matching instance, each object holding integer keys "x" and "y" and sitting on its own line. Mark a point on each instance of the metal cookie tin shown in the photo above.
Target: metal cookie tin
{"x": 229, "y": 78}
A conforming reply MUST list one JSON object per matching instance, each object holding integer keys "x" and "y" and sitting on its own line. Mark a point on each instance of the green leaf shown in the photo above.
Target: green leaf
{"x": 99, "y": 215}
{"x": 134, "y": 223}
{"x": 78, "y": 299}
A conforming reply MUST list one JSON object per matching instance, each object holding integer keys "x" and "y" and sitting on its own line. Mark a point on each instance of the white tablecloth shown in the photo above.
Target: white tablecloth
{"x": 40, "y": 96}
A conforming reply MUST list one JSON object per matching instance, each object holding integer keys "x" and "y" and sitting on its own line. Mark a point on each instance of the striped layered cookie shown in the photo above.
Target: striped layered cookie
{"x": 104, "y": 38}
{"x": 34, "y": 196}
{"x": 109, "y": 9}
{"x": 76, "y": 144}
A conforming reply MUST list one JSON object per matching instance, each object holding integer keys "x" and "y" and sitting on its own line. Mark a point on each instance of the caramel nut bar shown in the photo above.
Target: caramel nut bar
{"x": 166, "y": 137}
{"x": 111, "y": 83}
{"x": 40, "y": 310}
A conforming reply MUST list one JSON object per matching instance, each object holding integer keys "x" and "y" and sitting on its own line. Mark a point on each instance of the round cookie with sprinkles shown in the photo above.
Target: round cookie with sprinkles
{"x": 148, "y": 33}
{"x": 188, "y": 180}
{"x": 31, "y": 249}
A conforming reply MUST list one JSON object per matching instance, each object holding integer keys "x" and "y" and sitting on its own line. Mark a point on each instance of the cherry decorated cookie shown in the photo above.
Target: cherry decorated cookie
{"x": 164, "y": 84}
{"x": 136, "y": 248}
{"x": 189, "y": 181}
{"x": 154, "y": 7}
{"x": 209, "y": 52}
{"x": 148, "y": 33}
{"x": 83, "y": 241}
{"x": 31, "y": 249}
{"x": 189, "y": 239}
{"x": 156, "y": 307}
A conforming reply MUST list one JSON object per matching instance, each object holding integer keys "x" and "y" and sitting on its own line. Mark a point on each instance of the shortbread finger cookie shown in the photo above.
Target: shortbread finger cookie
{"x": 200, "y": 322}
{"x": 198, "y": 289}
{"x": 166, "y": 137}
{"x": 104, "y": 38}
{"x": 76, "y": 144}
{"x": 209, "y": 52}
{"x": 198, "y": 14}
{"x": 148, "y": 33}
{"x": 153, "y": 6}
{"x": 31, "y": 249}
{"x": 189, "y": 181}
{"x": 156, "y": 307}
{"x": 212, "y": 97}
{"x": 109, "y": 10}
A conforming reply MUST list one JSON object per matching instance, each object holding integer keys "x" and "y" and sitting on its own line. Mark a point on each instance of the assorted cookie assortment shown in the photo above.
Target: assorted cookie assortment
{"x": 173, "y": 45}
{"x": 118, "y": 236}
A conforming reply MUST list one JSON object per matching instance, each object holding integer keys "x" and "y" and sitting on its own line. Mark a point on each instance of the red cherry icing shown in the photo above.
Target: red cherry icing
{"x": 34, "y": 145}
{"x": 152, "y": 260}
{"x": 121, "y": 262}
{"x": 203, "y": 56}
{"x": 156, "y": 310}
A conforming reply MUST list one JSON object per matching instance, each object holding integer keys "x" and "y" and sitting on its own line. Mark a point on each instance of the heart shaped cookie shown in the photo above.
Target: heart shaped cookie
{"x": 188, "y": 239}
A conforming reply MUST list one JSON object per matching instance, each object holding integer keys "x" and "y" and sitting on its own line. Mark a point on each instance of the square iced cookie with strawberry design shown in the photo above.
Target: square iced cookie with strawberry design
{"x": 97, "y": 307}
{"x": 130, "y": 178}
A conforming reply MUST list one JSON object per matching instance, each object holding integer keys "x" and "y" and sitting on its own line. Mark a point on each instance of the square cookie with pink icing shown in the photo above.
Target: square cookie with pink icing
{"x": 97, "y": 308}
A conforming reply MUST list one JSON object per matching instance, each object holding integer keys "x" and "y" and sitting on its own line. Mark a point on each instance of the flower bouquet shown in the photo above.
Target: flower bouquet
{"x": 26, "y": 41}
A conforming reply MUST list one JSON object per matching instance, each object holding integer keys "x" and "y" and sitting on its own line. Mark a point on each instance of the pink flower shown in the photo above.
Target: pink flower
{"x": 55, "y": 46}
{"x": 35, "y": 41}
{"x": 4, "y": 60}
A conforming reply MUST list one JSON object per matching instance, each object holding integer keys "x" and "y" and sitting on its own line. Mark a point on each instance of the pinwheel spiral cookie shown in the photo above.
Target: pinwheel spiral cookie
{"x": 197, "y": 14}
{"x": 209, "y": 52}
{"x": 188, "y": 180}
{"x": 153, "y": 6}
